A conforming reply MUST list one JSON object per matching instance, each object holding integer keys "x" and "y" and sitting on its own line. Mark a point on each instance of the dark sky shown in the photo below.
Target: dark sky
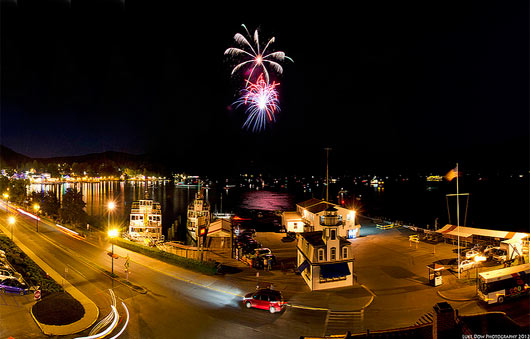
{"x": 381, "y": 84}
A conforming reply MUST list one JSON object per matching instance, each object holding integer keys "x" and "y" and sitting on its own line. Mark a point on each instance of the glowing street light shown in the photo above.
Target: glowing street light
{"x": 11, "y": 220}
{"x": 36, "y": 207}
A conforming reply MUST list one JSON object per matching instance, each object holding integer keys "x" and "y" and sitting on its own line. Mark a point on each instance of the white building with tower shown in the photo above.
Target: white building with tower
{"x": 325, "y": 258}
{"x": 308, "y": 215}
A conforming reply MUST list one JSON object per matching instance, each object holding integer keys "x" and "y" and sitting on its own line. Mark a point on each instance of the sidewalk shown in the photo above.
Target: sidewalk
{"x": 91, "y": 310}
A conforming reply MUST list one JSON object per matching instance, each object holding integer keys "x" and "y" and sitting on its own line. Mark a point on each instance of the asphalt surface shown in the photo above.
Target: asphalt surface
{"x": 388, "y": 266}
{"x": 171, "y": 308}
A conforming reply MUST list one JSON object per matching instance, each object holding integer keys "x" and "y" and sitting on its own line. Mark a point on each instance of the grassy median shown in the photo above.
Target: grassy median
{"x": 207, "y": 267}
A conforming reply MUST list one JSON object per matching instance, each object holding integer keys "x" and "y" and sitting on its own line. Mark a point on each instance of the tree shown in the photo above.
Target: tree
{"x": 4, "y": 184}
{"x": 17, "y": 191}
{"x": 50, "y": 204}
{"x": 72, "y": 208}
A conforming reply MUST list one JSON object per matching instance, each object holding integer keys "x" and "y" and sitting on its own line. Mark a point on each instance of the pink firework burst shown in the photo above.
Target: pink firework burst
{"x": 261, "y": 99}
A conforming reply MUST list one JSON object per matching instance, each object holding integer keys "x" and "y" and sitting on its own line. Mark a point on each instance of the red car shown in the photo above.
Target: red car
{"x": 266, "y": 299}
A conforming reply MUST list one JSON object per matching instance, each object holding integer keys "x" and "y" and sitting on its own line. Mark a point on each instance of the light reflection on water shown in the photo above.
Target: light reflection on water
{"x": 267, "y": 200}
{"x": 173, "y": 199}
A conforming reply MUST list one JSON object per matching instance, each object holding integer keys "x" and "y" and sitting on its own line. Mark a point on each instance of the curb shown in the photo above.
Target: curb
{"x": 454, "y": 299}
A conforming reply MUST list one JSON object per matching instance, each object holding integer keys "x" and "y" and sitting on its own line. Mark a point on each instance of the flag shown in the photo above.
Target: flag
{"x": 452, "y": 174}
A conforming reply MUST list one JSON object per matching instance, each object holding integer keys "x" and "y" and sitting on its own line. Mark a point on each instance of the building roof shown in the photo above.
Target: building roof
{"x": 220, "y": 225}
{"x": 291, "y": 215}
{"x": 315, "y": 239}
{"x": 468, "y": 231}
{"x": 319, "y": 207}
{"x": 309, "y": 202}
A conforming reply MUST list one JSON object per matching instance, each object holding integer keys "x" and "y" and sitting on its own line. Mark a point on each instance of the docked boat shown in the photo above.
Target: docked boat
{"x": 189, "y": 181}
{"x": 198, "y": 215}
{"x": 145, "y": 222}
{"x": 376, "y": 182}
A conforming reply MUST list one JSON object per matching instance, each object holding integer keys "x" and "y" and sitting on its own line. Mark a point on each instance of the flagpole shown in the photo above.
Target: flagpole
{"x": 458, "y": 218}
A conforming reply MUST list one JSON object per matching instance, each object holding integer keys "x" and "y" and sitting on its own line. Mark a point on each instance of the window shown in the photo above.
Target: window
{"x": 332, "y": 234}
{"x": 320, "y": 254}
{"x": 344, "y": 252}
{"x": 333, "y": 253}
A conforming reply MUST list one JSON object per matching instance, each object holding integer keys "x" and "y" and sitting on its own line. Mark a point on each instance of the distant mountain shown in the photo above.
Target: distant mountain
{"x": 118, "y": 157}
{"x": 10, "y": 158}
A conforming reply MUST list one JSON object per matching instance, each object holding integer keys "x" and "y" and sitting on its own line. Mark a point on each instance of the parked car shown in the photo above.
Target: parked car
{"x": 249, "y": 231}
{"x": 13, "y": 286}
{"x": 288, "y": 239}
{"x": 250, "y": 246}
{"x": 472, "y": 253}
{"x": 499, "y": 255}
{"x": 488, "y": 252}
{"x": 466, "y": 265}
{"x": 265, "y": 299}
{"x": 7, "y": 274}
{"x": 262, "y": 251}
{"x": 244, "y": 239}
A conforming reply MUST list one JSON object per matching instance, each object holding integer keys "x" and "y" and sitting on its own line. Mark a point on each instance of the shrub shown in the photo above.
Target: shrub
{"x": 30, "y": 271}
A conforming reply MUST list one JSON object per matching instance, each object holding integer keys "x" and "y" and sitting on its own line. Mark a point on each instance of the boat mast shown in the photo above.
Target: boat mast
{"x": 458, "y": 217}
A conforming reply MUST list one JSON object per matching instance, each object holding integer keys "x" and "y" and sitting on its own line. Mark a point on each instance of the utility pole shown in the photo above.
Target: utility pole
{"x": 327, "y": 172}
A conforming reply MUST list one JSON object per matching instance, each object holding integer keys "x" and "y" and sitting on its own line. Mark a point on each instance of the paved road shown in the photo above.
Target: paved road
{"x": 172, "y": 307}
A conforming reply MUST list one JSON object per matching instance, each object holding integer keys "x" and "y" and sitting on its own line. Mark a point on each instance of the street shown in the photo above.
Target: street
{"x": 171, "y": 305}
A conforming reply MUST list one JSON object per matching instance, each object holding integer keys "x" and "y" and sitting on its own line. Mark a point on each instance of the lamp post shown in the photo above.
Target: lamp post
{"x": 112, "y": 233}
{"x": 111, "y": 205}
{"x": 36, "y": 207}
{"x": 478, "y": 259}
{"x": 11, "y": 220}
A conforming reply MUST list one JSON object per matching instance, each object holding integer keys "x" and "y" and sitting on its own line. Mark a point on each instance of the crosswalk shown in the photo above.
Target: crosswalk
{"x": 425, "y": 319}
{"x": 340, "y": 322}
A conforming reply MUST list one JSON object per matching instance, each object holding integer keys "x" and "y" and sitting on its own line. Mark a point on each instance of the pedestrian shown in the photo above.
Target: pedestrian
{"x": 269, "y": 264}
{"x": 265, "y": 264}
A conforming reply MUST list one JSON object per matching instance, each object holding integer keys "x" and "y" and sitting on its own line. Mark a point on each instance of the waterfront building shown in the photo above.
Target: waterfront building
{"x": 324, "y": 258}
{"x": 219, "y": 234}
{"x": 310, "y": 212}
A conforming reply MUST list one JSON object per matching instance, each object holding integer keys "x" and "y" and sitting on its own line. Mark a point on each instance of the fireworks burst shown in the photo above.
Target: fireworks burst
{"x": 256, "y": 58}
{"x": 262, "y": 103}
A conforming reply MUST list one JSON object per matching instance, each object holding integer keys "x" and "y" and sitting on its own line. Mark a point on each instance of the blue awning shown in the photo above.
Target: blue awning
{"x": 334, "y": 270}
{"x": 303, "y": 266}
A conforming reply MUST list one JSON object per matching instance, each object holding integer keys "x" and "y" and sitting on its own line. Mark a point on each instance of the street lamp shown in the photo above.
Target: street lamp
{"x": 36, "y": 207}
{"x": 11, "y": 220}
{"x": 112, "y": 233}
{"x": 478, "y": 259}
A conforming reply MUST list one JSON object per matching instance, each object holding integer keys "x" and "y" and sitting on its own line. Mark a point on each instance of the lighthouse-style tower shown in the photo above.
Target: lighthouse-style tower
{"x": 330, "y": 223}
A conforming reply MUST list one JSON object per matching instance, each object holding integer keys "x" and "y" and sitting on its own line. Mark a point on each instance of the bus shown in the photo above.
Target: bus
{"x": 496, "y": 286}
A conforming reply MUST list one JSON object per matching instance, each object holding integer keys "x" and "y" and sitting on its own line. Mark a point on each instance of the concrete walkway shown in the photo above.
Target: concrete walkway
{"x": 91, "y": 310}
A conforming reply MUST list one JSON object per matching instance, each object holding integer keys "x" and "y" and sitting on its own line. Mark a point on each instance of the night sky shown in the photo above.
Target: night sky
{"x": 383, "y": 85}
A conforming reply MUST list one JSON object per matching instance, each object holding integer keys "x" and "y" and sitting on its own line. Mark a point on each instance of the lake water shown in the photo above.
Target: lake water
{"x": 494, "y": 205}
